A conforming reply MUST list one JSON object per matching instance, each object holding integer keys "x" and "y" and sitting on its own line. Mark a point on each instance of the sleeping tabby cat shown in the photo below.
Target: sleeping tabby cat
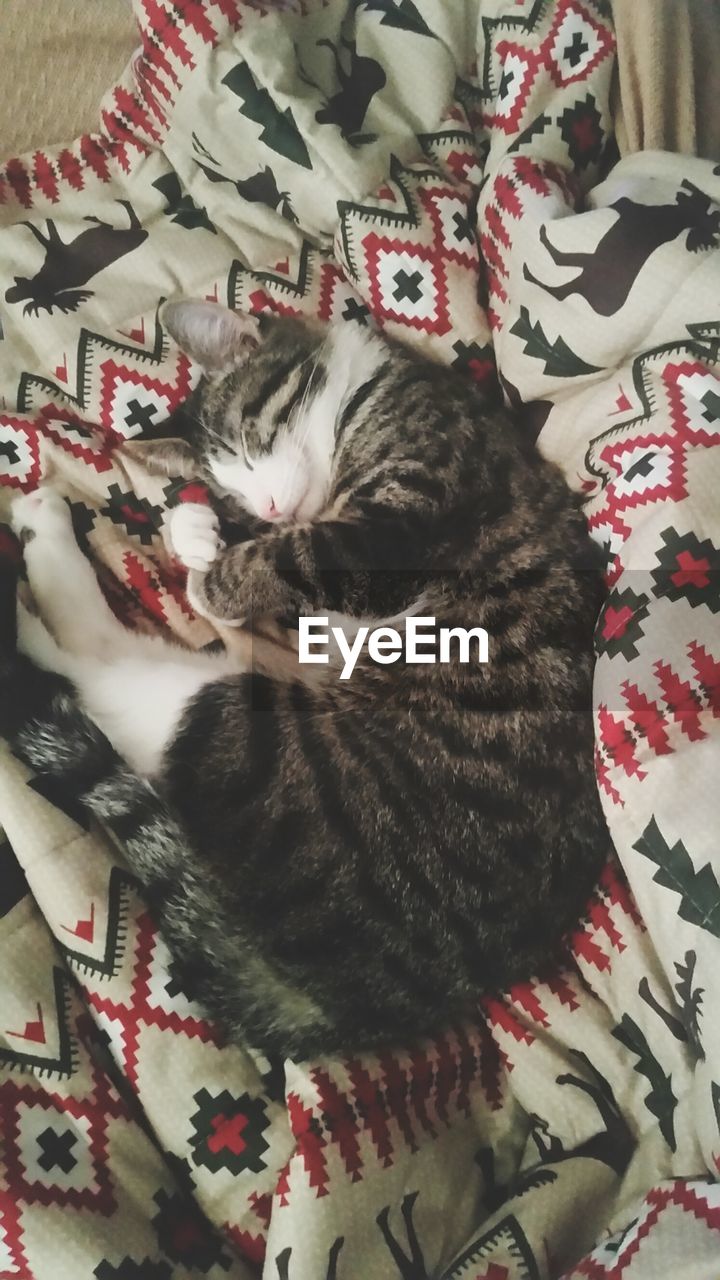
{"x": 336, "y": 864}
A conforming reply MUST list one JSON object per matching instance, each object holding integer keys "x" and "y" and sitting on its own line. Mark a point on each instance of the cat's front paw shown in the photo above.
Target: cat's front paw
{"x": 196, "y": 591}
{"x": 43, "y": 512}
{"x": 195, "y": 535}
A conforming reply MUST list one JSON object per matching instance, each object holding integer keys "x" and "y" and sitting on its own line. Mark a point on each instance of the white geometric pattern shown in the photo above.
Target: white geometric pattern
{"x": 515, "y": 77}
{"x": 649, "y": 464}
{"x": 457, "y": 236}
{"x": 126, "y": 392}
{"x": 575, "y": 46}
{"x": 159, "y": 978}
{"x": 700, "y": 396}
{"x": 18, "y": 457}
{"x": 37, "y": 1130}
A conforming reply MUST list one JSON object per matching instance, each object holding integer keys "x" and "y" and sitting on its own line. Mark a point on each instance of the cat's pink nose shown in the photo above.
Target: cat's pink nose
{"x": 271, "y": 511}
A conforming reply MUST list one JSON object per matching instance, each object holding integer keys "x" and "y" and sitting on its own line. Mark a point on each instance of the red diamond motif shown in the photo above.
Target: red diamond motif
{"x": 515, "y": 77}
{"x": 425, "y": 304}
{"x": 465, "y": 166}
{"x": 449, "y": 216}
{"x": 261, "y": 301}
{"x": 67, "y": 430}
{"x": 643, "y": 467}
{"x": 575, "y": 45}
{"x": 334, "y": 292}
{"x": 27, "y": 1112}
{"x": 120, "y": 384}
{"x": 19, "y": 453}
{"x": 147, "y": 1004}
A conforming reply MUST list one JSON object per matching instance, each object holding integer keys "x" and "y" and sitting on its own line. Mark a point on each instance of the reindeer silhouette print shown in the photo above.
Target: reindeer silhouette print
{"x": 495, "y": 1192}
{"x": 69, "y": 265}
{"x": 612, "y": 1145}
{"x": 609, "y": 272}
{"x": 358, "y": 86}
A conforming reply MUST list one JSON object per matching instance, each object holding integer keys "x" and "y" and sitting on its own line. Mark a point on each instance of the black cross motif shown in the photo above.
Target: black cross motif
{"x": 174, "y": 985}
{"x": 642, "y": 467}
{"x": 507, "y": 79}
{"x": 711, "y": 400}
{"x": 407, "y": 286}
{"x": 355, "y": 310}
{"x": 9, "y": 450}
{"x": 56, "y": 1150}
{"x": 83, "y": 522}
{"x": 462, "y": 227}
{"x": 575, "y": 50}
{"x": 140, "y": 415}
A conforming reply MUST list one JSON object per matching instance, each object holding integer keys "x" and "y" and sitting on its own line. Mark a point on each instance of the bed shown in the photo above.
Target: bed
{"x": 449, "y": 172}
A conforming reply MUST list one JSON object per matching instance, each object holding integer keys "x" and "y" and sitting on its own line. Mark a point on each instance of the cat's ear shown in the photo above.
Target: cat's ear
{"x": 214, "y": 337}
{"x": 169, "y": 457}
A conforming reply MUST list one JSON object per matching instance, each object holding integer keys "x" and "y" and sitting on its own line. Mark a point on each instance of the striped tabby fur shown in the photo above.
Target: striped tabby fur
{"x": 339, "y": 865}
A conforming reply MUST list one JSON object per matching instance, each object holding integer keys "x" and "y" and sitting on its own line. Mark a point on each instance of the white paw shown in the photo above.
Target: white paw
{"x": 195, "y": 535}
{"x": 43, "y": 513}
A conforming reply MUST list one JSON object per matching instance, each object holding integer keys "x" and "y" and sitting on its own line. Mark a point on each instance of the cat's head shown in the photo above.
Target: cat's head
{"x": 261, "y": 433}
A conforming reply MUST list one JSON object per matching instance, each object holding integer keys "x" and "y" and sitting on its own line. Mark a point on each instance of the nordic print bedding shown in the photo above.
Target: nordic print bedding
{"x": 420, "y": 164}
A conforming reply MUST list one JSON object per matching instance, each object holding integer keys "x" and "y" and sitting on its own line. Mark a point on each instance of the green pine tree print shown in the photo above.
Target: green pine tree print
{"x": 699, "y": 890}
{"x": 280, "y": 132}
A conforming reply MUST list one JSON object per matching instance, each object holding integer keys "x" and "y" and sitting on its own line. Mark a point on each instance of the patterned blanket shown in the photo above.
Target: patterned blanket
{"x": 444, "y": 168}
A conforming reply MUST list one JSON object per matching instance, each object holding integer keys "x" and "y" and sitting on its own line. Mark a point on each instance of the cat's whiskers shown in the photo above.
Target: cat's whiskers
{"x": 211, "y": 432}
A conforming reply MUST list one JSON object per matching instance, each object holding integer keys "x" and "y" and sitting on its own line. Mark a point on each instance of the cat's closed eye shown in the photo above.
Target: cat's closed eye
{"x": 243, "y": 446}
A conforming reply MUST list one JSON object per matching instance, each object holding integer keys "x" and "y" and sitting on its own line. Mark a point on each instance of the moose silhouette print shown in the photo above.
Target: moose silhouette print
{"x": 69, "y": 265}
{"x": 612, "y": 1144}
{"x": 260, "y": 188}
{"x": 358, "y": 87}
{"x": 608, "y": 273}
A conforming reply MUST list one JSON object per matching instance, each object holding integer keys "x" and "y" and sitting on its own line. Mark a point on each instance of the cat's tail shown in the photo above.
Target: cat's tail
{"x": 49, "y": 731}
{"x": 46, "y": 728}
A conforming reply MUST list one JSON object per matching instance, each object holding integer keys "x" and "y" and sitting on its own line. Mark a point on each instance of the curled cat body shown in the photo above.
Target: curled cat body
{"x": 336, "y": 864}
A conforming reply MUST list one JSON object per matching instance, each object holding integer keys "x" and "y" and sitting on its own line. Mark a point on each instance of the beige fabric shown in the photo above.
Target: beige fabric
{"x": 668, "y": 76}
{"x": 59, "y": 57}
